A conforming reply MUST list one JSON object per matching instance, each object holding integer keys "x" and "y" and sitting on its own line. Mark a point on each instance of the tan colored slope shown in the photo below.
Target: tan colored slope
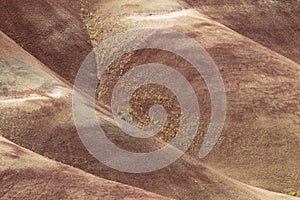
{"x": 50, "y": 30}
{"x": 261, "y": 138}
{"x": 45, "y": 125}
{"x": 275, "y": 24}
{"x": 26, "y": 175}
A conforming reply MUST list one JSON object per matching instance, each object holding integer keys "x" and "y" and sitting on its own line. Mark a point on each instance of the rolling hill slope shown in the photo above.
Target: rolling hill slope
{"x": 260, "y": 142}
{"x": 50, "y": 30}
{"x": 41, "y": 120}
{"x": 263, "y": 88}
{"x": 26, "y": 175}
{"x": 274, "y": 24}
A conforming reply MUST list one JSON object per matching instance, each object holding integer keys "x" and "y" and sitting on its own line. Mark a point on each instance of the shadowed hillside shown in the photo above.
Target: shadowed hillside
{"x": 257, "y": 154}
{"x": 50, "y": 30}
{"x": 38, "y": 116}
{"x": 262, "y": 86}
{"x": 274, "y": 24}
{"x": 26, "y": 175}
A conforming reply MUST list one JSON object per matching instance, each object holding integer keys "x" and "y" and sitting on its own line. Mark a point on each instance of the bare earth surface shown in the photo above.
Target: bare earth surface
{"x": 27, "y": 175}
{"x": 43, "y": 123}
{"x": 50, "y": 30}
{"x": 256, "y": 157}
{"x": 263, "y": 88}
{"x": 274, "y": 24}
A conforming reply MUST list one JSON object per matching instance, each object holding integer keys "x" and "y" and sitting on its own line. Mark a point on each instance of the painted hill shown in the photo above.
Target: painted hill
{"x": 50, "y": 30}
{"x": 274, "y": 24}
{"x": 37, "y": 115}
{"x": 27, "y": 175}
{"x": 262, "y": 124}
{"x": 259, "y": 145}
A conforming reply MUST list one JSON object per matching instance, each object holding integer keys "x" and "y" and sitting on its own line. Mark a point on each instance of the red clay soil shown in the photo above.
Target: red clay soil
{"x": 274, "y": 24}
{"x": 260, "y": 142}
{"x": 46, "y": 127}
{"x": 50, "y": 30}
{"x": 26, "y": 175}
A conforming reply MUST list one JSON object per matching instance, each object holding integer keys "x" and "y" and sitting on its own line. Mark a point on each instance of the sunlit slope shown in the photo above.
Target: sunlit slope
{"x": 26, "y": 175}
{"x": 44, "y": 124}
{"x": 260, "y": 141}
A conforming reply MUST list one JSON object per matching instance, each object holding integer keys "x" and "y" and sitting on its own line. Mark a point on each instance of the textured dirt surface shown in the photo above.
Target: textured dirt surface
{"x": 50, "y": 30}
{"x": 259, "y": 145}
{"x": 274, "y": 24}
{"x": 47, "y": 128}
{"x": 26, "y": 175}
{"x": 262, "y": 125}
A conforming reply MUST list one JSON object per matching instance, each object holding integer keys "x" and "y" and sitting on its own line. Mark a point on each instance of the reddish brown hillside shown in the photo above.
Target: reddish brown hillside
{"x": 50, "y": 30}
{"x": 26, "y": 175}
{"x": 274, "y": 24}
